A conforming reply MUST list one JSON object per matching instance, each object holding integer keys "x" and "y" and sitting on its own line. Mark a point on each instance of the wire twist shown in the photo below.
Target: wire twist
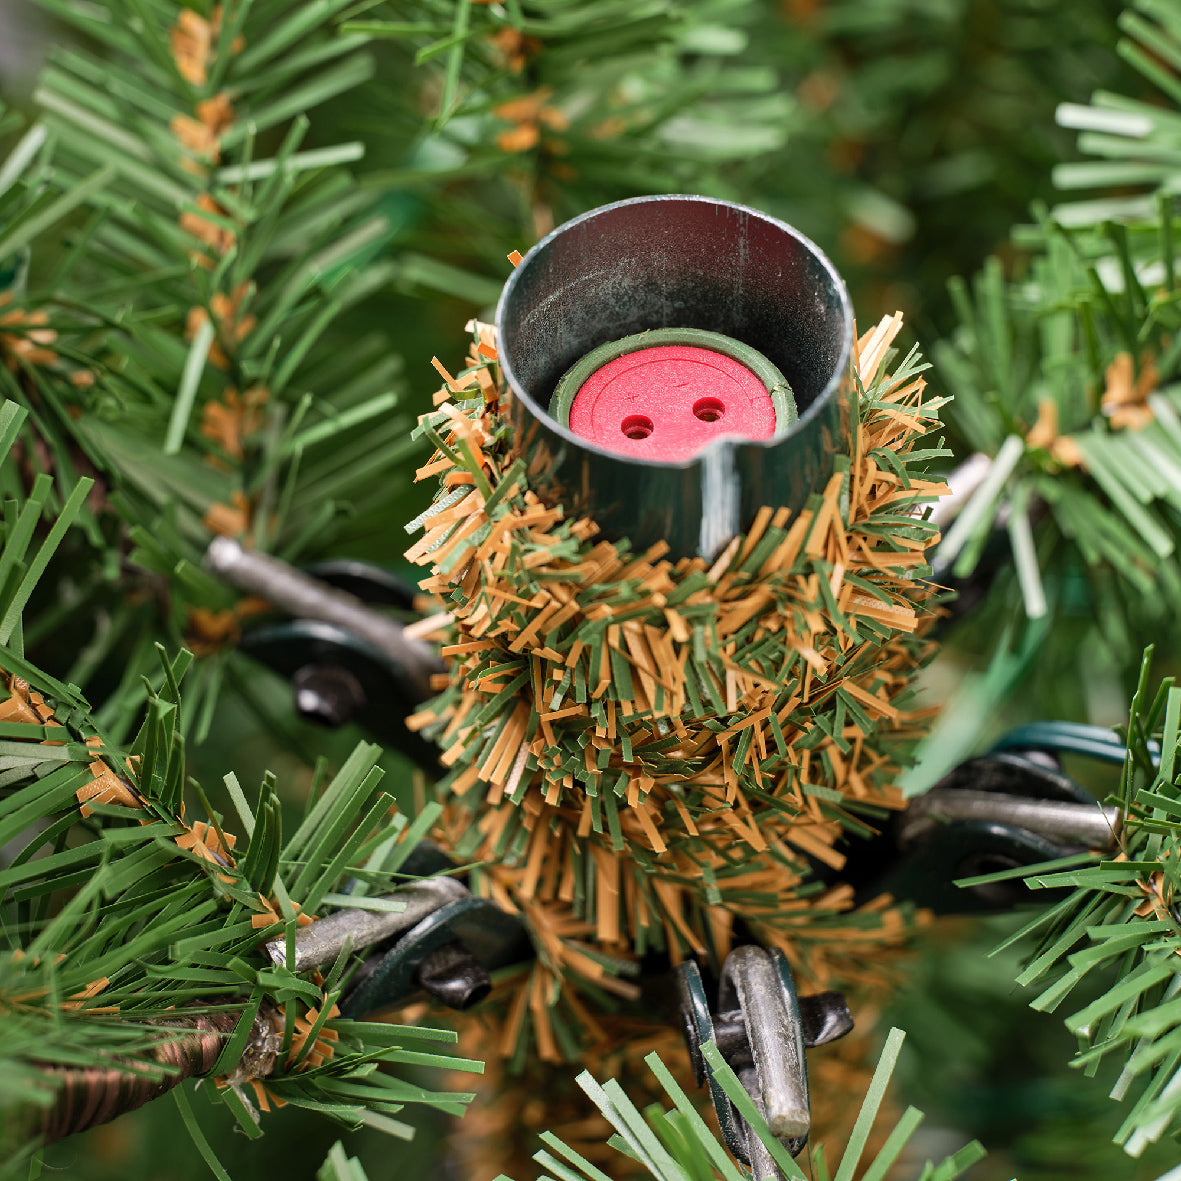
{"x": 87, "y": 1096}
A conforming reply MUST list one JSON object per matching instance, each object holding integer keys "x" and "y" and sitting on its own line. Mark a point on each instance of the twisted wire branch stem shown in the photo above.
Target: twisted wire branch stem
{"x": 88, "y": 1096}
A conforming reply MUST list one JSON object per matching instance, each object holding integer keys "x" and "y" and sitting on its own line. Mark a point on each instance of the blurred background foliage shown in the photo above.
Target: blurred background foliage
{"x": 907, "y": 138}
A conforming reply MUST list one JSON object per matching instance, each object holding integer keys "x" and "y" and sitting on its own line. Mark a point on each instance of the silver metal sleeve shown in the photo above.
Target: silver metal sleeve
{"x": 304, "y": 597}
{"x": 320, "y": 942}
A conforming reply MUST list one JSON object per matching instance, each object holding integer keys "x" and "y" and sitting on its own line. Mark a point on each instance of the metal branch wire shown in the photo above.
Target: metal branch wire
{"x": 304, "y": 597}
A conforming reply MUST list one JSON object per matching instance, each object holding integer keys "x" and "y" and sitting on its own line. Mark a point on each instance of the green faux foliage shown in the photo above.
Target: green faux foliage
{"x": 119, "y": 916}
{"x": 1133, "y": 141}
{"x": 904, "y": 138}
{"x": 677, "y": 1145}
{"x": 185, "y": 325}
{"x": 1066, "y": 378}
{"x": 641, "y": 96}
{"x": 1099, "y": 520}
{"x": 210, "y": 233}
{"x": 1120, "y": 925}
{"x": 538, "y": 111}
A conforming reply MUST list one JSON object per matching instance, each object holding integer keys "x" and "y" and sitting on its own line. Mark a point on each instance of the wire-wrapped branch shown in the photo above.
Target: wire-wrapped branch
{"x": 87, "y": 1096}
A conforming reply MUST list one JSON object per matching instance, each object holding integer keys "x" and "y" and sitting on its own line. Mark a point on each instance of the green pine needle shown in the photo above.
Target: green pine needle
{"x": 676, "y": 1144}
{"x": 1120, "y": 931}
{"x": 119, "y": 915}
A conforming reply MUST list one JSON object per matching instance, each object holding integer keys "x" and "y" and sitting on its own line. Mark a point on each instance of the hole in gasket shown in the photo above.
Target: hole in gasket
{"x": 636, "y": 426}
{"x": 709, "y": 409}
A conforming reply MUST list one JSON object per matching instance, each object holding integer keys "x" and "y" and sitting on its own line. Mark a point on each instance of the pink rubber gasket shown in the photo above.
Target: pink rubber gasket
{"x": 670, "y": 402}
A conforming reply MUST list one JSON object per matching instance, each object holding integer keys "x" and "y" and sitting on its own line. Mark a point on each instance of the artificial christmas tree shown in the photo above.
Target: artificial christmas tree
{"x": 197, "y": 344}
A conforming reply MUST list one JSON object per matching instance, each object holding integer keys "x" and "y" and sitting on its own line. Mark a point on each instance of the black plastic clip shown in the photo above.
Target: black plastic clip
{"x": 1000, "y": 811}
{"x": 347, "y": 660}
